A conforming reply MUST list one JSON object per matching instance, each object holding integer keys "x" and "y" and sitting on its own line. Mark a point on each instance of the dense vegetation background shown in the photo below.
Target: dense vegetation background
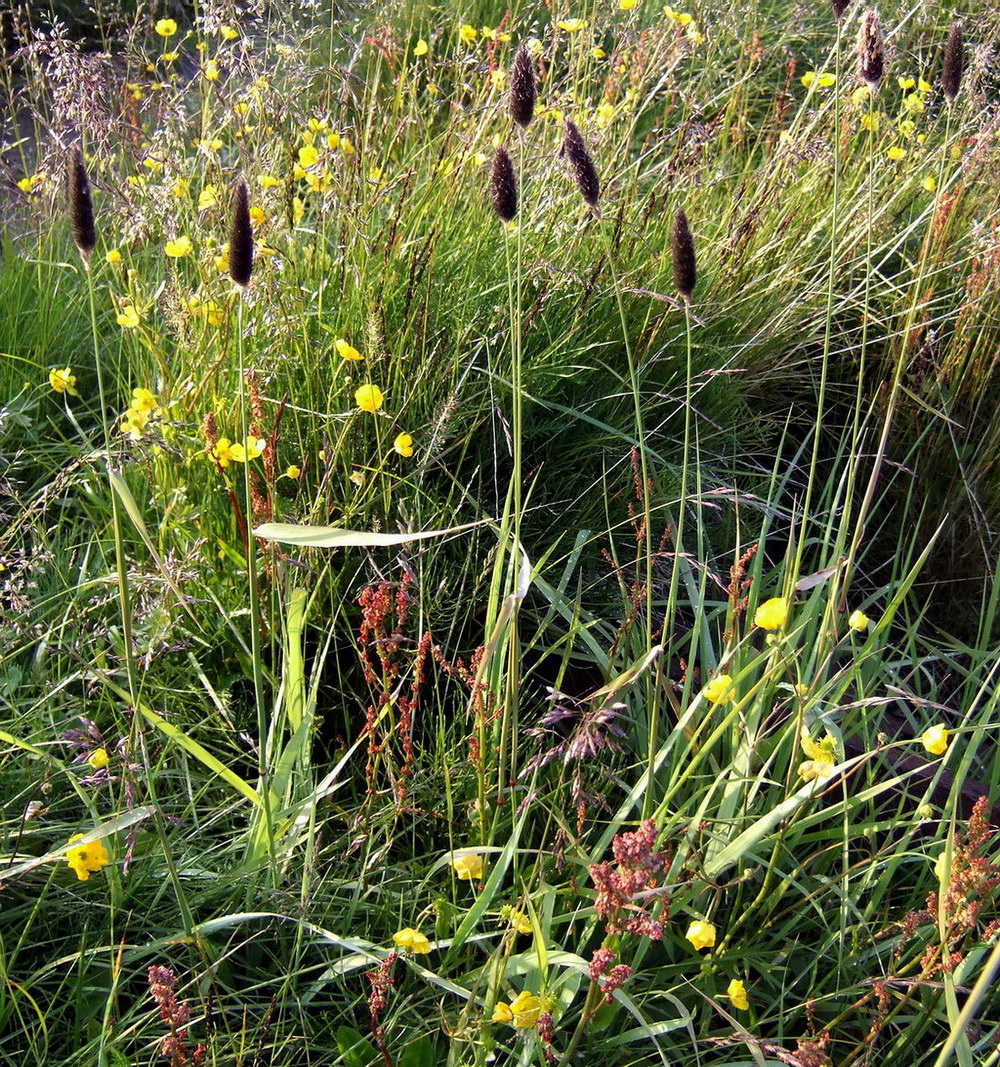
{"x": 675, "y": 740}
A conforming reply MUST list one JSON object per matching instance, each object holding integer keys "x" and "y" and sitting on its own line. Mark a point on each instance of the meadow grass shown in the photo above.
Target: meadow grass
{"x": 478, "y": 641}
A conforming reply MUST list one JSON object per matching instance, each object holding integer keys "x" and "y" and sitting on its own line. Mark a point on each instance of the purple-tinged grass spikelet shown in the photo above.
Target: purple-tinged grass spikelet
{"x": 574, "y": 150}
{"x": 81, "y": 207}
{"x": 871, "y": 50}
{"x": 241, "y": 237}
{"x": 522, "y": 88}
{"x": 839, "y": 7}
{"x": 503, "y": 185}
{"x": 682, "y": 248}
{"x": 954, "y": 63}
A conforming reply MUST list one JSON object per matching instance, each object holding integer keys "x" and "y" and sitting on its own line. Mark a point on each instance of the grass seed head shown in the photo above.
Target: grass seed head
{"x": 871, "y": 50}
{"x": 81, "y": 206}
{"x": 522, "y": 88}
{"x": 574, "y": 149}
{"x": 954, "y": 63}
{"x": 839, "y": 7}
{"x": 241, "y": 237}
{"x": 503, "y": 185}
{"x": 682, "y": 247}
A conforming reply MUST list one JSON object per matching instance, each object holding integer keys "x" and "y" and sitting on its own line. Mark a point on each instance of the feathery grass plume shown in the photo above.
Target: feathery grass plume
{"x": 576, "y": 152}
{"x": 522, "y": 88}
{"x": 682, "y": 247}
{"x": 503, "y": 185}
{"x": 839, "y": 7}
{"x": 871, "y": 51}
{"x": 81, "y": 207}
{"x": 954, "y": 63}
{"x": 241, "y": 237}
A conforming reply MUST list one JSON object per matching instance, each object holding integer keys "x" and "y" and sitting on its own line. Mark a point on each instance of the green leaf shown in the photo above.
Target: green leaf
{"x": 355, "y": 1048}
{"x": 286, "y": 533}
{"x": 420, "y": 1053}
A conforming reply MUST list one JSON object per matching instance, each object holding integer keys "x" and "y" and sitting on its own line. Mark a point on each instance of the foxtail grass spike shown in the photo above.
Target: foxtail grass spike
{"x": 871, "y": 51}
{"x": 241, "y": 237}
{"x": 682, "y": 247}
{"x": 839, "y": 7}
{"x": 584, "y": 171}
{"x": 81, "y": 207}
{"x": 503, "y": 185}
{"x": 954, "y": 63}
{"x": 522, "y": 88}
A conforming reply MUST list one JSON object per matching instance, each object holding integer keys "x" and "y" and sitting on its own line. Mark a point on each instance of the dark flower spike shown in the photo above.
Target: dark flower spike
{"x": 682, "y": 247}
{"x": 522, "y": 88}
{"x": 81, "y": 207}
{"x": 871, "y": 51}
{"x": 503, "y": 185}
{"x": 241, "y": 237}
{"x": 574, "y": 149}
{"x": 839, "y": 7}
{"x": 954, "y": 63}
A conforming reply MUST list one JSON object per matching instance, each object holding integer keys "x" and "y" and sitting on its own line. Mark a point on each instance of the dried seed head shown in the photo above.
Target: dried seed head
{"x": 839, "y": 7}
{"x": 503, "y": 185}
{"x": 241, "y": 237}
{"x": 682, "y": 247}
{"x": 81, "y": 207}
{"x": 584, "y": 172}
{"x": 871, "y": 51}
{"x": 522, "y": 88}
{"x": 954, "y": 63}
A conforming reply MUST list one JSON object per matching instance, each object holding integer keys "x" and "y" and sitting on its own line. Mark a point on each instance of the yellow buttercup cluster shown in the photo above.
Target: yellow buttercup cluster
{"x": 88, "y": 859}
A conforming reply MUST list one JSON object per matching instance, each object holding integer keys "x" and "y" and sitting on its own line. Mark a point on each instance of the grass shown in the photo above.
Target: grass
{"x": 283, "y": 745}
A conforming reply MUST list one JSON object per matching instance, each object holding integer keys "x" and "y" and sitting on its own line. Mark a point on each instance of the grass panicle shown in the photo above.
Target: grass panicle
{"x": 682, "y": 249}
{"x": 522, "y": 88}
{"x": 839, "y": 7}
{"x": 503, "y": 185}
{"x": 81, "y": 207}
{"x": 584, "y": 172}
{"x": 871, "y": 50}
{"x": 954, "y": 63}
{"x": 241, "y": 237}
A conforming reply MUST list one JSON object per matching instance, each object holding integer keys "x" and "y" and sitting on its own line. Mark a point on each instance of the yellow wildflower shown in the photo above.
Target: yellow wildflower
{"x": 403, "y": 445}
{"x": 572, "y": 25}
{"x": 357, "y": 478}
{"x": 308, "y": 156}
{"x": 128, "y": 317}
{"x": 525, "y": 1009}
{"x": 598, "y": 53}
{"x": 935, "y": 740}
{"x": 896, "y": 153}
{"x": 207, "y": 198}
{"x": 166, "y": 27}
{"x": 822, "y": 757}
{"x": 701, "y": 935}
{"x": 88, "y": 859}
{"x": 502, "y": 1013}
{"x": 249, "y": 450}
{"x": 907, "y": 128}
{"x": 179, "y": 247}
{"x": 468, "y": 868}
{"x": 211, "y": 70}
{"x": 516, "y": 918}
{"x": 293, "y": 471}
{"x": 736, "y": 991}
{"x": 905, "y": 83}
{"x": 773, "y": 613}
{"x": 268, "y": 181}
{"x": 369, "y": 397}
{"x": 63, "y": 381}
{"x": 488, "y": 33}
{"x": 627, "y": 5}
{"x": 258, "y": 216}
{"x": 870, "y": 121}
{"x": 98, "y": 758}
{"x": 114, "y": 256}
{"x": 229, "y": 33}
{"x": 929, "y": 184}
{"x": 27, "y": 185}
{"x": 467, "y": 33}
{"x": 345, "y": 350}
{"x": 719, "y": 690}
{"x": 222, "y": 452}
{"x": 412, "y": 941}
{"x": 134, "y": 423}
{"x": 858, "y": 621}
{"x": 421, "y": 48}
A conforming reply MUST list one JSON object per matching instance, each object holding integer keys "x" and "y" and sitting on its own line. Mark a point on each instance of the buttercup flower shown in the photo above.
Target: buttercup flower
{"x": 144, "y": 400}
{"x": 88, "y": 859}
{"x": 468, "y": 33}
{"x": 166, "y": 27}
{"x": 128, "y": 317}
{"x": 701, "y": 935}
{"x": 421, "y": 48}
{"x": 896, "y": 153}
{"x": 737, "y": 993}
{"x": 369, "y": 397}
{"x": 403, "y": 445}
{"x": 293, "y": 471}
{"x": 63, "y": 381}
{"x": 502, "y": 1013}
{"x": 412, "y": 941}
{"x": 98, "y": 758}
{"x": 179, "y": 247}
{"x": 772, "y": 614}
{"x": 517, "y": 919}
{"x": 719, "y": 690}
{"x": 822, "y": 757}
{"x": 251, "y": 449}
{"x": 467, "y": 868}
{"x": 572, "y": 25}
{"x": 346, "y": 350}
{"x": 114, "y": 256}
{"x": 935, "y": 740}
{"x": 523, "y": 1010}
{"x": 858, "y": 621}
